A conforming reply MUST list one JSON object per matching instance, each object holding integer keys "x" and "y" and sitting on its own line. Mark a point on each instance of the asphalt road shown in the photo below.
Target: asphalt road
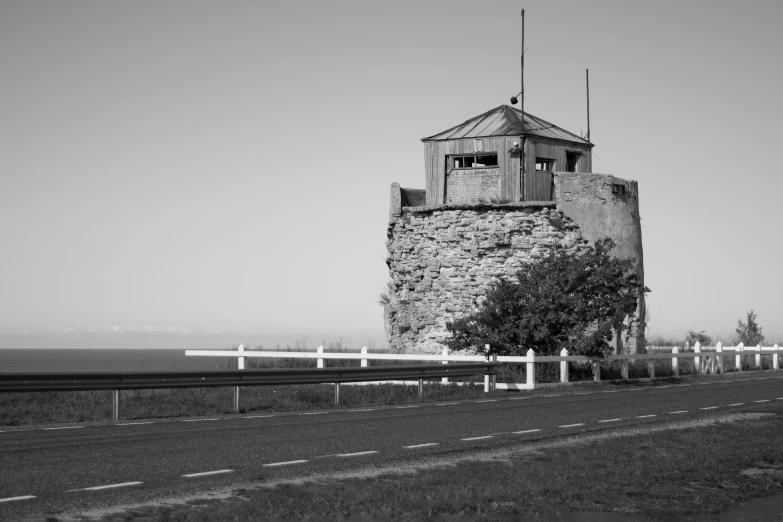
{"x": 45, "y": 472}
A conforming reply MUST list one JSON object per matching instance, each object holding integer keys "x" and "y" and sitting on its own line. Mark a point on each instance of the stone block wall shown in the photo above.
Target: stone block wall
{"x": 442, "y": 259}
{"x": 472, "y": 185}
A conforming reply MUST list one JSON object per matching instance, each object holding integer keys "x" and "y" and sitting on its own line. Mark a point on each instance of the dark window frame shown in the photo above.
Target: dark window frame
{"x": 475, "y": 156}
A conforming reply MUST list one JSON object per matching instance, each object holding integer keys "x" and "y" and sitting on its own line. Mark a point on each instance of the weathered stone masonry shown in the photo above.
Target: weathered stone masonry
{"x": 442, "y": 259}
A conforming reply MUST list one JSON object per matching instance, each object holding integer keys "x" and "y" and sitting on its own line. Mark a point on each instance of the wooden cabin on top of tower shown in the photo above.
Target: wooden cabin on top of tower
{"x": 480, "y": 159}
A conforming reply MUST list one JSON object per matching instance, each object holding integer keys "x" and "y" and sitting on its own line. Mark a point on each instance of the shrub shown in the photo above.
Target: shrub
{"x": 749, "y": 333}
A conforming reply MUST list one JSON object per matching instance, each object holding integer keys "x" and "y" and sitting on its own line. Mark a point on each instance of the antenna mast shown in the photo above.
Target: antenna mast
{"x": 587, "y": 82}
{"x": 522, "y": 158}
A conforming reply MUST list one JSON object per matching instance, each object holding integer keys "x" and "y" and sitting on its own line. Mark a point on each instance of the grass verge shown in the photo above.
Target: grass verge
{"x": 684, "y": 474}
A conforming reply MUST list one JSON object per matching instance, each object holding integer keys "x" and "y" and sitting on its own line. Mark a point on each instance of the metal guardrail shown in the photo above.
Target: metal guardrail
{"x": 117, "y": 381}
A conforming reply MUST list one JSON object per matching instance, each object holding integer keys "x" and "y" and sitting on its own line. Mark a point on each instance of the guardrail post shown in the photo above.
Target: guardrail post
{"x": 675, "y": 362}
{"x": 486, "y": 377}
{"x": 364, "y": 361}
{"x": 719, "y": 351}
{"x": 738, "y": 357}
{"x": 563, "y": 366}
{"x": 421, "y": 388}
{"x": 596, "y": 370}
{"x": 775, "y": 357}
{"x": 445, "y": 380}
{"x": 320, "y": 362}
{"x": 115, "y": 405}
{"x": 530, "y": 369}
{"x": 337, "y": 394}
{"x": 240, "y": 366}
{"x": 758, "y": 356}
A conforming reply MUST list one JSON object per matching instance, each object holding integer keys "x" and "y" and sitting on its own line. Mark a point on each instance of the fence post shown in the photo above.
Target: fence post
{"x": 320, "y": 363}
{"x": 337, "y": 394}
{"x": 719, "y": 351}
{"x": 115, "y": 405}
{"x": 738, "y": 357}
{"x": 364, "y": 352}
{"x": 530, "y": 369}
{"x": 445, "y": 380}
{"x": 494, "y": 376}
{"x": 596, "y": 370}
{"x": 651, "y": 368}
{"x": 675, "y": 362}
{"x": 563, "y": 366}
{"x": 486, "y": 377}
{"x": 697, "y": 360}
{"x": 240, "y": 366}
{"x": 758, "y": 356}
{"x": 775, "y": 357}
{"x": 421, "y": 388}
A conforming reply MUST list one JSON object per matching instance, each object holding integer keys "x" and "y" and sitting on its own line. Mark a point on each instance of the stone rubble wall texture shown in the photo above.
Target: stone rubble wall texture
{"x": 442, "y": 259}
{"x": 466, "y": 185}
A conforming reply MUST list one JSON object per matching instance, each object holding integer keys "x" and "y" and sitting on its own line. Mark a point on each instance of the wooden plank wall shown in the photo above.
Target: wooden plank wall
{"x": 538, "y": 187}
{"x": 435, "y": 153}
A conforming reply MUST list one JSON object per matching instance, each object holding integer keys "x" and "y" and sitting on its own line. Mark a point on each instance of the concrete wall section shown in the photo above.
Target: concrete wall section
{"x": 607, "y": 206}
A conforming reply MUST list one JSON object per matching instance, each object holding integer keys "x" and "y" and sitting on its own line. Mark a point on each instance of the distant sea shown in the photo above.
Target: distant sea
{"x": 133, "y": 351}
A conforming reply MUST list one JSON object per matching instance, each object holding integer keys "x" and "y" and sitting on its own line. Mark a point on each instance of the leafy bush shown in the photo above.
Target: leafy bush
{"x": 749, "y": 333}
{"x": 568, "y": 299}
{"x": 692, "y": 337}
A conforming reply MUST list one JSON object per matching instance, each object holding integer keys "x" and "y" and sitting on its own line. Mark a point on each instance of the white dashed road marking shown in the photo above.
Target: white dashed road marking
{"x": 675, "y": 412}
{"x": 478, "y": 438}
{"x": 645, "y": 416}
{"x": 357, "y": 454}
{"x": 205, "y": 473}
{"x": 763, "y": 400}
{"x": 526, "y": 431}
{"x": 572, "y": 425}
{"x": 415, "y": 446}
{"x": 737, "y": 404}
{"x": 12, "y": 499}
{"x": 65, "y": 428}
{"x": 107, "y": 486}
{"x": 273, "y": 464}
{"x": 610, "y": 420}
{"x": 710, "y": 408}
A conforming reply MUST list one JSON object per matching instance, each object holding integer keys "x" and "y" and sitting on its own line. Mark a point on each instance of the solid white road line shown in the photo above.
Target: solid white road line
{"x": 364, "y": 409}
{"x": 572, "y": 425}
{"x": 675, "y": 412}
{"x": 487, "y": 400}
{"x": 710, "y": 408}
{"x": 445, "y": 403}
{"x": 404, "y": 407}
{"x": 273, "y": 464}
{"x": 357, "y": 454}
{"x": 610, "y": 420}
{"x": 65, "y": 428}
{"x": 553, "y": 395}
{"x": 762, "y": 400}
{"x": 107, "y": 486}
{"x": 526, "y": 431}
{"x": 415, "y": 446}
{"x": 257, "y": 416}
{"x": 205, "y": 473}
{"x": 198, "y": 420}
{"x": 315, "y": 413}
{"x": 479, "y": 438}
{"x": 737, "y": 404}
{"x": 11, "y": 499}
{"x": 132, "y": 423}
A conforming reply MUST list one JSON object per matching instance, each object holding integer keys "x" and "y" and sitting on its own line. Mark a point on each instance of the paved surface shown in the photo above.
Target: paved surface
{"x": 51, "y": 471}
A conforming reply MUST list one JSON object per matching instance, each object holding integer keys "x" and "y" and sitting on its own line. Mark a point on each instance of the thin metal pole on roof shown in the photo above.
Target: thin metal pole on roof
{"x": 522, "y": 108}
{"x": 587, "y": 82}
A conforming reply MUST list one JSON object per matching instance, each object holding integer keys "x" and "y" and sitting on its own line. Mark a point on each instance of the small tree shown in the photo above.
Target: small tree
{"x": 565, "y": 300}
{"x": 692, "y": 337}
{"x": 749, "y": 333}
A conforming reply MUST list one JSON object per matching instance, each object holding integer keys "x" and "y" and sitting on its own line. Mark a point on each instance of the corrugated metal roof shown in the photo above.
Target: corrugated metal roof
{"x": 506, "y": 121}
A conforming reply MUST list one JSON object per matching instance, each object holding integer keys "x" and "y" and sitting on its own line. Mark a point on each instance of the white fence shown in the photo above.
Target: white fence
{"x": 706, "y": 360}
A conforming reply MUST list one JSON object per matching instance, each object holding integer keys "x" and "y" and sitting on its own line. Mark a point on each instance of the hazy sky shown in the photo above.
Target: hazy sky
{"x": 226, "y": 165}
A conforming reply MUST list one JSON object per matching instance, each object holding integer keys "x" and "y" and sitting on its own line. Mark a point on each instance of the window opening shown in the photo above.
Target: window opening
{"x": 546, "y": 165}
{"x": 571, "y": 160}
{"x": 618, "y": 189}
{"x": 475, "y": 161}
